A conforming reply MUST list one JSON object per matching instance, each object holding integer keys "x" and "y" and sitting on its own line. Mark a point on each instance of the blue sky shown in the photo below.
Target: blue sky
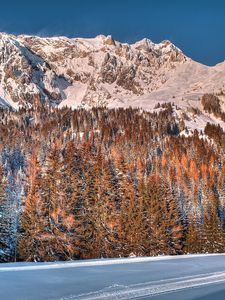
{"x": 197, "y": 27}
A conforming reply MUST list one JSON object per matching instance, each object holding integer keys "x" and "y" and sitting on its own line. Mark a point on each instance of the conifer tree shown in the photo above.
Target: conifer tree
{"x": 193, "y": 238}
{"x": 212, "y": 231}
{"x": 32, "y": 225}
{"x": 6, "y": 250}
{"x": 56, "y": 238}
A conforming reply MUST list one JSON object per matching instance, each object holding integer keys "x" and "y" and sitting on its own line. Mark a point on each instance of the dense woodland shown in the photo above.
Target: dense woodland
{"x": 78, "y": 184}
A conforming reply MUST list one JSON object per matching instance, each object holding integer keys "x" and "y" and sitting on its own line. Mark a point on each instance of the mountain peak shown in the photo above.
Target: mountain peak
{"x": 144, "y": 44}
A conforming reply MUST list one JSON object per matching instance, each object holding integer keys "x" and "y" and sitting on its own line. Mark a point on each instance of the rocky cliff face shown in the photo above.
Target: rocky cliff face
{"x": 26, "y": 78}
{"x": 74, "y": 72}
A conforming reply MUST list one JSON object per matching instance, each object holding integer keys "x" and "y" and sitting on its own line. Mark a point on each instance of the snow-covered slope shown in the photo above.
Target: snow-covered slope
{"x": 82, "y": 71}
{"x": 101, "y": 71}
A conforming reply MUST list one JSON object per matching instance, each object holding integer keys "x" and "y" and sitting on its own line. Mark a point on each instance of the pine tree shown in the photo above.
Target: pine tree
{"x": 56, "y": 238}
{"x": 173, "y": 222}
{"x": 212, "y": 231}
{"x": 193, "y": 238}
{"x": 6, "y": 251}
{"x": 156, "y": 213}
{"x": 32, "y": 225}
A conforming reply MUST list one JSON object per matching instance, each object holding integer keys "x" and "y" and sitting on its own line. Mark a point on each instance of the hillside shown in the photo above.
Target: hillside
{"x": 100, "y": 71}
{"x": 78, "y": 184}
{"x": 96, "y": 134}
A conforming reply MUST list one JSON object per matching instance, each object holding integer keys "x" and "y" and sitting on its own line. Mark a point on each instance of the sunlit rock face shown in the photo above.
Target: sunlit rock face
{"x": 79, "y": 71}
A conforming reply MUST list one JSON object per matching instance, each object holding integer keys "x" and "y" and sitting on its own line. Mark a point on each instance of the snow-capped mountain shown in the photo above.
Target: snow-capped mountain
{"x": 82, "y": 71}
{"x": 101, "y": 71}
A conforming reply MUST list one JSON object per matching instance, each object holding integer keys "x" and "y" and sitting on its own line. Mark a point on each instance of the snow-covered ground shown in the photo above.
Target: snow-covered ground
{"x": 176, "y": 277}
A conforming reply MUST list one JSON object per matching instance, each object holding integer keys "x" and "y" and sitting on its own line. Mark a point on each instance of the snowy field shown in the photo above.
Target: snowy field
{"x": 167, "y": 278}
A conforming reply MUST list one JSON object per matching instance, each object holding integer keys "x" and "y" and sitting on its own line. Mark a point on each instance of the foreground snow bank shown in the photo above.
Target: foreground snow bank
{"x": 95, "y": 262}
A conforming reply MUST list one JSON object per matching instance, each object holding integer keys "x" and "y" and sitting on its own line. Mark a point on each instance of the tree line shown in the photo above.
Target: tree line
{"x": 78, "y": 184}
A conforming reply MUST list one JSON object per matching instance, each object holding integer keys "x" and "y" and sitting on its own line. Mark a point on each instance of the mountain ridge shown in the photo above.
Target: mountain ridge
{"x": 86, "y": 72}
{"x": 97, "y": 63}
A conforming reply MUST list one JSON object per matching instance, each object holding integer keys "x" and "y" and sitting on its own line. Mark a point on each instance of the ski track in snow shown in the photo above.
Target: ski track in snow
{"x": 150, "y": 289}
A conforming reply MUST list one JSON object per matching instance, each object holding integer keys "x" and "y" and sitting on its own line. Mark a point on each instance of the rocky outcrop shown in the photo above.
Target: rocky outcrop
{"x": 26, "y": 78}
